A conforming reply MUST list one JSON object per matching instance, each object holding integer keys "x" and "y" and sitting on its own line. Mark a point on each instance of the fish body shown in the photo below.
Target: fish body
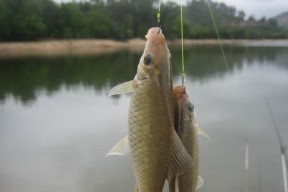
{"x": 187, "y": 129}
{"x": 157, "y": 151}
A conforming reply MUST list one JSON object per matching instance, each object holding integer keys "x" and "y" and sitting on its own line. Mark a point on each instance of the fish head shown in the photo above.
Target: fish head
{"x": 181, "y": 97}
{"x": 183, "y": 108}
{"x": 155, "y": 61}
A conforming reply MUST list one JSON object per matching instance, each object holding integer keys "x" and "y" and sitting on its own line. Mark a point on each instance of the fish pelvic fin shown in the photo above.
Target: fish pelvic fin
{"x": 200, "y": 182}
{"x": 120, "y": 148}
{"x": 180, "y": 160}
{"x": 122, "y": 88}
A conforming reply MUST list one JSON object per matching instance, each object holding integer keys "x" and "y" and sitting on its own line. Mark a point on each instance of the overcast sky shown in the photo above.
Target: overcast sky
{"x": 257, "y": 8}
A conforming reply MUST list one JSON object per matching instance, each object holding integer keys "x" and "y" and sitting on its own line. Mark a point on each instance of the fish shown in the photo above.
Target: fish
{"x": 186, "y": 126}
{"x": 156, "y": 149}
{"x": 122, "y": 146}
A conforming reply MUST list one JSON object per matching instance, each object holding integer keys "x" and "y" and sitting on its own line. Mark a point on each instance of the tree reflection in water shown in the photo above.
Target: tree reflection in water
{"x": 23, "y": 78}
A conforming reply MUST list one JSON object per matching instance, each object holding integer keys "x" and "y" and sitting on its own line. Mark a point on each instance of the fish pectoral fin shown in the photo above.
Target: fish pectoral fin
{"x": 203, "y": 133}
{"x": 200, "y": 182}
{"x": 180, "y": 160}
{"x": 122, "y": 88}
{"x": 121, "y": 148}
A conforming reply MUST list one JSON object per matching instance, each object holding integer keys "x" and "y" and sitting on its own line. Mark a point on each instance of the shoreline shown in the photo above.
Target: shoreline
{"x": 100, "y": 46}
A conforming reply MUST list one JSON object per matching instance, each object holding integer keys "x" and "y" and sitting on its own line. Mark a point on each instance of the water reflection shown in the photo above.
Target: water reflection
{"x": 207, "y": 62}
{"x": 24, "y": 78}
{"x": 59, "y": 142}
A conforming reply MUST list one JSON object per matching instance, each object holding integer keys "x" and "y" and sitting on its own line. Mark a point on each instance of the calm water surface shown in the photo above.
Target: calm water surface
{"x": 57, "y": 122}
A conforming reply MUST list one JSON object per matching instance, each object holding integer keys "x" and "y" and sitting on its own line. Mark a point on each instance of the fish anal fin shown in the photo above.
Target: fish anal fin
{"x": 172, "y": 185}
{"x": 177, "y": 184}
{"x": 200, "y": 182}
{"x": 180, "y": 160}
{"x": 120, "y": 148}
{"x": 123, "y": 88}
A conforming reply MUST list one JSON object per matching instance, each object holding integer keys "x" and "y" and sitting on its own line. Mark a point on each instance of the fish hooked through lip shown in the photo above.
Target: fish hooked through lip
{"x": 150, "y": 118}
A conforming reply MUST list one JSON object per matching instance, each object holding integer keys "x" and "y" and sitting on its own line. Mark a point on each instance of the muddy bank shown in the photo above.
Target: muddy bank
{"x": 88, "y": 47}
{"x": 65, "y": 47}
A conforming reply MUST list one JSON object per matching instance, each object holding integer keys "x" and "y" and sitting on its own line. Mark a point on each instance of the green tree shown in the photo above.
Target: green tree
{"x": 98, "y": 23}
{"x": 51, "y": 15}
{"x": 71, "y": 20}
{"x": 133, "y": 16}
{"x": 123, "y": 19}
{"x": 170, "y": 20}
{"x": 241, "y": 15}
{"x": 20, "y": 22}
{"x": 4, "y": 27}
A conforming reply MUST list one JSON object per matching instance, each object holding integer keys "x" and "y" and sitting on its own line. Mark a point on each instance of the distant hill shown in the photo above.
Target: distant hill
{"x": 282, "y": 20}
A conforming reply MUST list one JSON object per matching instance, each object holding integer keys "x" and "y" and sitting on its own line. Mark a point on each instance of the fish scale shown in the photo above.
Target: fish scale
{"x": 148, "y": 136}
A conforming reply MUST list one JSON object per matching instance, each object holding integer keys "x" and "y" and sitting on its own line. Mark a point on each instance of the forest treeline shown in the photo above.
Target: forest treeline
{"x": 25, "y": 20}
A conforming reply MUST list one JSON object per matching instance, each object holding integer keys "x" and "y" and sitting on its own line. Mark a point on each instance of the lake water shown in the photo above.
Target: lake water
{"x": 57, "y": 122}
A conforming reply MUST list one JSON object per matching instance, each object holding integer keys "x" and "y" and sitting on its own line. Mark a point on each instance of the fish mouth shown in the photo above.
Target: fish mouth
{"x": 156, "y": 34}
{"x": 141, "y": 78}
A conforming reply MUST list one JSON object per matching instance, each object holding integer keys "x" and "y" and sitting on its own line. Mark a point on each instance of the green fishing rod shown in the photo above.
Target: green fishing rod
{"x": 182, "y": 43}
{"x": 158, "y": 16}
{"x": 218, "y": 35}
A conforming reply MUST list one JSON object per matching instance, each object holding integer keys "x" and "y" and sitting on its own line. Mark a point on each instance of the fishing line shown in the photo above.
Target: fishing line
{"x": 182, "y": 44}
{"x": 218, "y": 36}
{"x": 158, "y": 14}
{"x": 282, "y": 146}
{"x": 246, "y": 179}
{"x": 284, "y": 165}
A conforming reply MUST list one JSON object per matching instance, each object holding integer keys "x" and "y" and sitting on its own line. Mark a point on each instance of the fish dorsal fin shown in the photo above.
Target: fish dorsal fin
{"x": 200, "y": 182}
{"x": 180, "y": 160}
{"x": 122, "y": 88}
{"x": 203, "y": 133}
{"x": 121, "y": 148}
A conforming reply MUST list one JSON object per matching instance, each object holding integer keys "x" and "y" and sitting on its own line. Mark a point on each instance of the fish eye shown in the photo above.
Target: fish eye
{"x": 148, "y": 59}
{"x": 190, "y": 107}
